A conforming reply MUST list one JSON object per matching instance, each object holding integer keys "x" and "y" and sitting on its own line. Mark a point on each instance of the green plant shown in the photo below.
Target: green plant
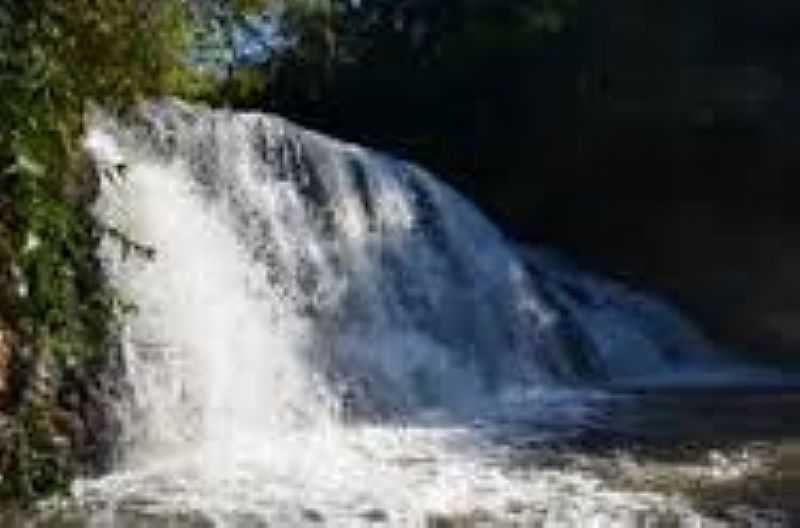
{"x": 57, "y": 60}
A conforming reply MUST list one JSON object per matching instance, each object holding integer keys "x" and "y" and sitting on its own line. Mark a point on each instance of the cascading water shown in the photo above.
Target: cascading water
{"x": 326, "y": 334}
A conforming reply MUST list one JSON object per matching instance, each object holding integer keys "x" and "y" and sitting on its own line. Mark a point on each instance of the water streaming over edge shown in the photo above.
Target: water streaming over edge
{"x": 327, "y": 334}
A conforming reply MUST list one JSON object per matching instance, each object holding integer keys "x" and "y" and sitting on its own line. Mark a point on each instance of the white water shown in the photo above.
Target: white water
{"x": 328, "y": 335}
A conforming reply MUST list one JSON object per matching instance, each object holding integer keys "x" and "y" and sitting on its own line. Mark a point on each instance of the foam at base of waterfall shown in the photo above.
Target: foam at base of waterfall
{"x": 351, "y": 476}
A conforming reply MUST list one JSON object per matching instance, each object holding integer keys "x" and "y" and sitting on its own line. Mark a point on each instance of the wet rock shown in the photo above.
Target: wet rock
{"x": 67, "y": 426}
{"x": 312, "y": 515}
{"x": 447, "y": 521}
{"x": 375, "y": 515}
{"x": 474, "y": 519}
{"x": 515, "y": 507}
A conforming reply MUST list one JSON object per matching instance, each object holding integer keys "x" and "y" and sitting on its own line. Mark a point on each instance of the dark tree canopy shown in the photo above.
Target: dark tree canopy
{"x": 446, "y": 83}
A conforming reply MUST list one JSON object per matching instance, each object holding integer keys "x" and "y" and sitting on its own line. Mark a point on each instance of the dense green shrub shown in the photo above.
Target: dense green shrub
{"x": 57, "y": 59}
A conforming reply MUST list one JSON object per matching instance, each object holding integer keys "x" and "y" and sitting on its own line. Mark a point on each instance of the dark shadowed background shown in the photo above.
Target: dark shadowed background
{"x": 655, "y": 141}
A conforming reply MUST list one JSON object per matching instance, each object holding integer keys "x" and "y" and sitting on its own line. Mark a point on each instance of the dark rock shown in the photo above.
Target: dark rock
{"x": 375, "y": 515}
{"x": 312, "y": 515}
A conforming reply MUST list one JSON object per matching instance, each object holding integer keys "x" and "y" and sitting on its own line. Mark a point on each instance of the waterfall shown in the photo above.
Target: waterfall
{"x": 324, "y": 332}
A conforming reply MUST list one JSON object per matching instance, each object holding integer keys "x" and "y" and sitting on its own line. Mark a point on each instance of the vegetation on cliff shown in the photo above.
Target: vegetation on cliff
{"x": 58, "y": 58}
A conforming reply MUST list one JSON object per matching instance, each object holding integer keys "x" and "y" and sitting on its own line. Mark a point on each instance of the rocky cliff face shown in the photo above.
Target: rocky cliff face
{"x": 55, "y": 422}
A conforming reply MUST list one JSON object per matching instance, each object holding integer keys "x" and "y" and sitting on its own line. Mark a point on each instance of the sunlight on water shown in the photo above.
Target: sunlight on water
{"x": 326, "y": 335}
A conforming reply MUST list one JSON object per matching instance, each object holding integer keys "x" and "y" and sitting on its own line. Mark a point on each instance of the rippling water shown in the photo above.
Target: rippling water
{"x": 674, "y": 458}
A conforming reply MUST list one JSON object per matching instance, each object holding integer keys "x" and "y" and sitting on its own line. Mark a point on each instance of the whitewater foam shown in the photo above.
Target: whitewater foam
{"x": 325, "y": 334}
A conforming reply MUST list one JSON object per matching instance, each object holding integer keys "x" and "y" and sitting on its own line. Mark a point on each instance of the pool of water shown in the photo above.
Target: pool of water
{"x": 664, "y": 458}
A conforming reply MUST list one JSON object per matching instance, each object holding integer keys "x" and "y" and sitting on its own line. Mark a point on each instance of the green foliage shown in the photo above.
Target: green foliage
{"x": 424, "y": 30}
{"x": 58, "y": 59}
{"x": 34, "y": 462}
